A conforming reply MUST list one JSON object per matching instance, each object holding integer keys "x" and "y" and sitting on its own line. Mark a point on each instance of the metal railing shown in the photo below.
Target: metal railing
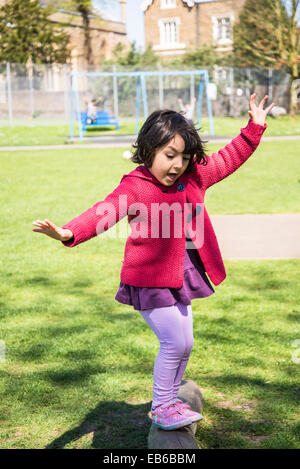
{"x": 41, "y": 93}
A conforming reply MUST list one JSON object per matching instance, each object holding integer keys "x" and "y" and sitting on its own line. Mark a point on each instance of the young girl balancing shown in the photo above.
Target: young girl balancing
{"x": 172, "y": 244}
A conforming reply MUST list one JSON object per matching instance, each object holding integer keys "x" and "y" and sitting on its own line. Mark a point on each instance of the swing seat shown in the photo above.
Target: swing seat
{"x": 103, "y": 119}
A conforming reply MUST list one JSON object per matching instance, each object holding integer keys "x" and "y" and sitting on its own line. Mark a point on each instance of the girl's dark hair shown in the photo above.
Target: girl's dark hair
{"x": 161, "y": 127}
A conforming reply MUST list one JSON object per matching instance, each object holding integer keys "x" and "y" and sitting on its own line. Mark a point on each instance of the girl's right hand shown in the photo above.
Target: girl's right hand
{"x": 50, "y": 229}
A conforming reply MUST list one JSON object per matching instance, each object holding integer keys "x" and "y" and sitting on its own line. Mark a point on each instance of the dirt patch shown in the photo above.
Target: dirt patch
{"x": 255, "y": 438}
{"x": 223, "y": 433}
{"x": 232, "y": 404}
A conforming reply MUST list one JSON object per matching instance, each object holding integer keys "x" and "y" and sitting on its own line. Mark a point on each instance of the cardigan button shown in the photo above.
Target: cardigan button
{"x": 180, "y": 186}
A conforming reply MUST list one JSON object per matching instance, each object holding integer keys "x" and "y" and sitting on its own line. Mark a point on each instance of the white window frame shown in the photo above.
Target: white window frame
{"x": 162, "y": 25}
{"x": 224, "y": 28}
{"x": 167, "y": 4}
{"x": 215, "y": 22}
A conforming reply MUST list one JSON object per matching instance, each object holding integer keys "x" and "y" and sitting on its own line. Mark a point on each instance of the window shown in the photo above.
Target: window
{"x": 169, "y": 36}
{"x": 169, "y": 32}
{"x": 223, "y": 29}
{"x": 168, "y": 4}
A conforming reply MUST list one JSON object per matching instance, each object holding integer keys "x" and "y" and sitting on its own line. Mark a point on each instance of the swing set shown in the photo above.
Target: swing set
{"x": 141, "y": 89}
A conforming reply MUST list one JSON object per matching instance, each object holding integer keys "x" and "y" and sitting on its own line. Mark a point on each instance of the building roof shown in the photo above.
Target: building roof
{"x": 190, "y": 3}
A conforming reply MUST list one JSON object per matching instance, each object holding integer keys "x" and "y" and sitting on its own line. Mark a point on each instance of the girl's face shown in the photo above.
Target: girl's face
{"x": 169, "y": 161}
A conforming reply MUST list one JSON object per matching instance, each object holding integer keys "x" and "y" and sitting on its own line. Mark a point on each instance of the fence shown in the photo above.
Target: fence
{"x": 38, "y": 93}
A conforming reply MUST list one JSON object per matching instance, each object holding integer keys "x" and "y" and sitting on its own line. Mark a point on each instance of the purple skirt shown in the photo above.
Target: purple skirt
{"x": 195, "y": 285}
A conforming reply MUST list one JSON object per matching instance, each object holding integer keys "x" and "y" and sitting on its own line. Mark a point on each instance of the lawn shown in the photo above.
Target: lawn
{"x": 37, "y": 133}
{"x": 267, "y": 183}
{"x": 78, "y": 367}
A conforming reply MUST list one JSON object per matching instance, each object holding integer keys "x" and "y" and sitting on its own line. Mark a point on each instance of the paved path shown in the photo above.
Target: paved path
{"x": 265, "y": 236}
{"x": 123, "y": 142}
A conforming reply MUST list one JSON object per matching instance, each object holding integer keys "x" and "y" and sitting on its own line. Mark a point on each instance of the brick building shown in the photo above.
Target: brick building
{"x": 173, "y": 26}
{"x": 106, "y": 33}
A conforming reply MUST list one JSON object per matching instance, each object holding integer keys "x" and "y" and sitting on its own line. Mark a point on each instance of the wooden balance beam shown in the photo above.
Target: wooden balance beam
{"x": 183, "y": 438}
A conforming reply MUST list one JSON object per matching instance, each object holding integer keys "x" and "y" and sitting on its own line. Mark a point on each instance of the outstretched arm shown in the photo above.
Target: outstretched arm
{"x": 102, "y": 215}
{"x": 257, "y": 113}
{"x": 192, "y": 108}
{"x": 181, "y": 105}
{"x": 232, "y": 156}
{"x": 95, "y": 220}
{"x": 49, "y": 228}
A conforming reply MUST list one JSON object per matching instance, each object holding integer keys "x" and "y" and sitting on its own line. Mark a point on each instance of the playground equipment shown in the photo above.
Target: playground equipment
{"x": 103, "y": 119}
{"x": 141, "y": 91}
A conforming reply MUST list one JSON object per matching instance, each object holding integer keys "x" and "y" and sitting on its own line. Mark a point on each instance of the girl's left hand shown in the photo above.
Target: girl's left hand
{"x": 257, "y": 113}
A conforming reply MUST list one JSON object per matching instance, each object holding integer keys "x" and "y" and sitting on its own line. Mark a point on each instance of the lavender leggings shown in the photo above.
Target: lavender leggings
{"x": 173, "y": 326}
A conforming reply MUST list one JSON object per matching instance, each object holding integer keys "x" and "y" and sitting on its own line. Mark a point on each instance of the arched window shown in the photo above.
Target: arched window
{"x": 169, "y": 31}
{"x": 167, "y": 3}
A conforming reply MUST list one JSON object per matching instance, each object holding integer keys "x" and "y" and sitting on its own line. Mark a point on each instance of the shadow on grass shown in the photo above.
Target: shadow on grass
{"x": 232, "y": 429}
{"x": 258, "y": 422}
{"x": 110, "y": 425}
{"x": 275, "y": 392}
{"x": 119, "y": 425}
{"x": 108, "y": 308}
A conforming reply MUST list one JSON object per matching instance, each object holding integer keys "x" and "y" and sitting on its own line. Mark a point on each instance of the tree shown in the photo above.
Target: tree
{"x": 27, "y": 34}
{"x": 85, "y": 9}
{"x": 133, "y": 58}
{"x": 205, "y": 56}
{"x": 266, "y": 35}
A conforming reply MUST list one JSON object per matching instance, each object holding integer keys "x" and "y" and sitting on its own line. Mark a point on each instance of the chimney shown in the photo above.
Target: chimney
{"x": 123, "y": 10}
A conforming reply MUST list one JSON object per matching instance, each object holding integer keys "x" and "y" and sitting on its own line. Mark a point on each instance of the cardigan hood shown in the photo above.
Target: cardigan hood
{"x": 143, "y": 173}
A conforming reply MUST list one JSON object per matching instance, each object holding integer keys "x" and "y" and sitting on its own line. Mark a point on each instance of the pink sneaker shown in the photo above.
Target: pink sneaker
{"x": 187, "y": 411}
{"x": 169, "y": 417}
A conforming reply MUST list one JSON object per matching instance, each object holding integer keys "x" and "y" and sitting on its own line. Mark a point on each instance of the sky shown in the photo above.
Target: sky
{"x": 134, "y": 18}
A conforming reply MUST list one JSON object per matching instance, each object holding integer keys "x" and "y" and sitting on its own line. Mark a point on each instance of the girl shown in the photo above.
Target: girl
{"x": 166, "y": 260}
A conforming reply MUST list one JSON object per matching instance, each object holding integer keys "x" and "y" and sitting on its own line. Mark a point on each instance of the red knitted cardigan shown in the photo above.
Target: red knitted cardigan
{"x": 157, "y": 261}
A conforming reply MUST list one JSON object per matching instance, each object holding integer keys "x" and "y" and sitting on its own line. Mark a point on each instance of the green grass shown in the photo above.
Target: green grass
{"x": 267, "y": 183}
{"x": 36, "y": 133}
{"x": 79, "y": 366}
{"x": 279, "y": 126}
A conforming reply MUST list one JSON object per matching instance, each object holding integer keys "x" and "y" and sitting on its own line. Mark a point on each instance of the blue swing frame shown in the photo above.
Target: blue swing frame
{"x": 141, "y": 87}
